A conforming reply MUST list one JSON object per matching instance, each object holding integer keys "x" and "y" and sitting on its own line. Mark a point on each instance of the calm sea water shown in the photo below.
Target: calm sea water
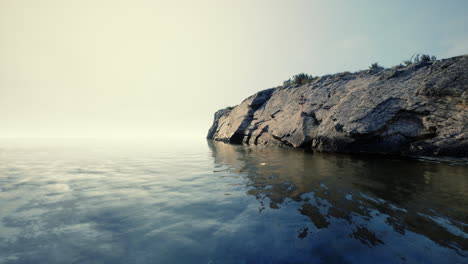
{"x": 205, "y": 202}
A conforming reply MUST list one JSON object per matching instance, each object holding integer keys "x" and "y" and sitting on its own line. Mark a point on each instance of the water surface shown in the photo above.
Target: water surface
{"x": 206, "y": 202}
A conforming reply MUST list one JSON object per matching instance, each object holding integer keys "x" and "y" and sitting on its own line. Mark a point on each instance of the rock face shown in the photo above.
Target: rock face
{"x": 421, "y": 110}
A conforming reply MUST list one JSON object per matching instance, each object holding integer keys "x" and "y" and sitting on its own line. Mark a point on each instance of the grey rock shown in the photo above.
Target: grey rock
{"x": 217, "y": 116}
{"x": 414, "y": 110}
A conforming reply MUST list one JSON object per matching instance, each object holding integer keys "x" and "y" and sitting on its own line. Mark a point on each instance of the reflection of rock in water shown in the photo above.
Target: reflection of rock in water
{"x": 315, "y": 216}
{"x": 366, "y": 236}
{"x": 421, "y": 197}
{"x": 303, "y": 232}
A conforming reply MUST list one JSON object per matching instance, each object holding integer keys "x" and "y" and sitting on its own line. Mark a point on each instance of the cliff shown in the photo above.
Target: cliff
{"x": 421, "y": 110}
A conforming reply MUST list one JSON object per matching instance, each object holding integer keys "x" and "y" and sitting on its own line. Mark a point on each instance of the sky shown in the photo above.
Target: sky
{"x": 160, "y": 69}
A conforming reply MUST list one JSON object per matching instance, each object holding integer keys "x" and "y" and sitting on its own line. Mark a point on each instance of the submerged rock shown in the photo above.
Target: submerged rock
{"x": 421, "y": 109}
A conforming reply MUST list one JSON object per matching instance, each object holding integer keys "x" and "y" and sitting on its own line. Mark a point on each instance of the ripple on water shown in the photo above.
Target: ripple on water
{"x": 220, "y": 203}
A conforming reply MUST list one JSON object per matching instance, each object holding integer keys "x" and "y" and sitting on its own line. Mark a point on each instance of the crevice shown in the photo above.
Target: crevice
{"x": 264, "y": 130}
{"x": 274, "y": 114}
{"x": 259, "y": 101}
{"x": 236, "y": 138}
{"x": 253, "y": 129}
{"x": 283, "y": 142}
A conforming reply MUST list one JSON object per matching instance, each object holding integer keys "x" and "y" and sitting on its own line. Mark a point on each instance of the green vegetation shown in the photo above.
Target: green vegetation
{"x": 420, "y": 58}
{"x": 408, "y": 62}
{"x": 301, "y": 79}
{"x": 304, "y": 78}
{"x": 375, "y": 67}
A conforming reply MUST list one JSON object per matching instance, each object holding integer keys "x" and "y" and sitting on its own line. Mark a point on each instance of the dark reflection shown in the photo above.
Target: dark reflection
{"x": 363, "y": 193}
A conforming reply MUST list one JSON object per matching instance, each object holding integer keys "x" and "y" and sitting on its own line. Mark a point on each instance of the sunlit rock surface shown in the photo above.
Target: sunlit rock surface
{"x": 420, "y": 109}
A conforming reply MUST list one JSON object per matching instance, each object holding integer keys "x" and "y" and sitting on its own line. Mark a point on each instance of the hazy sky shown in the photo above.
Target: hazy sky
{"x": 109, "y": 68}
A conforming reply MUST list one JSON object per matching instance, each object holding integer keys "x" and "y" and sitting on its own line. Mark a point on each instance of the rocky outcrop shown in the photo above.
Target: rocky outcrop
{"x": 421, "y": 109}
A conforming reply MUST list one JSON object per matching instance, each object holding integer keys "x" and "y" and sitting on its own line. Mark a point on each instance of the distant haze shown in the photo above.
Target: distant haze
{"x": 141, "y": 68}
